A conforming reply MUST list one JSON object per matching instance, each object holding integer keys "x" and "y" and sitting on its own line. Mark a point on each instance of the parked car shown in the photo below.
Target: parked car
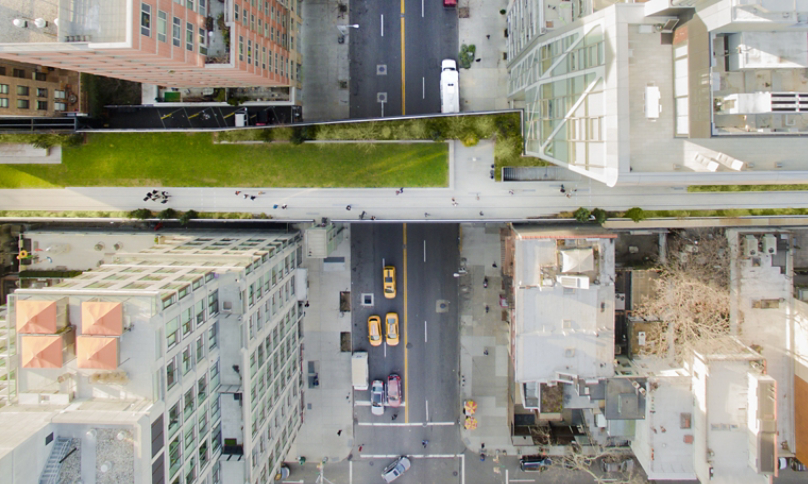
{"x": 375, "y": 330}
{"x": 395, "y": 469}
{"x": 449, "y": 3}
{"x": 621, "y": 465}
{"x": 391, "y": 321}
{"x": 798, "y": 466}
{"x": 534, "y": 463}
{"x": 377, "y": 397}
{"x": 394, "y": 390}
{"x": 389, "y": 282}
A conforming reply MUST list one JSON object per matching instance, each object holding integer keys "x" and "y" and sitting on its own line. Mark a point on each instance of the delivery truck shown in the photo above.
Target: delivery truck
{"x": 449, "y": 88}
{"x": 359, "y": 369}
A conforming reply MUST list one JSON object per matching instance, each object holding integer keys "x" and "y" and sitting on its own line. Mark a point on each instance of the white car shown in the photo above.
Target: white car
{"x": 377, "y": 397}
{"x": 395, "y": 469}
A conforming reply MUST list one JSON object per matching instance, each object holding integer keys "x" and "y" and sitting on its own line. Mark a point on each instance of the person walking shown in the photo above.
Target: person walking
{"x": 348, "y": 208}
{"x": 284, "y": 206}
{"x": 275, "y": 206}
{"x": 246, "y": 196}
{"x": 238, "y": 191}
{"x": 398, "y": 192}
{"x": 424, "y": 443}
{"x": 563, "y": 190}
{"x": 252, "y": 197}
{"x": 401, "y": 190}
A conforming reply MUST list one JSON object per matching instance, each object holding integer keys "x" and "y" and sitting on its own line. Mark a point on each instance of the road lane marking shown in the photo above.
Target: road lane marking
{"x": 414, "y": 456}
{"x": 411, "y": 424}
{"x": 517, "y": 480}
{"x": 462, "y": 468}
{"x": 366, "y": 403}
{"x": 406, "y": 353}
{"x": 422, "y": 8}
{"x": 403, "y": 65}
{"x": 427, "y": 410}
{"x": 425, "y": 251}
{"x": 426, "y": 338}
{"x": 423, "y": 93}
{"x": 350, "y": 471}
{"x": 382, "y": 24}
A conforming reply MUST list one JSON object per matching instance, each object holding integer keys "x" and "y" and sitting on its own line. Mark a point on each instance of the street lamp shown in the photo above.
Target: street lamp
{"x": 343, "y": 31}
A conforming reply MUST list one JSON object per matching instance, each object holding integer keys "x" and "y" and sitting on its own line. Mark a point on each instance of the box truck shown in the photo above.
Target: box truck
{"x": 359, "y": 369}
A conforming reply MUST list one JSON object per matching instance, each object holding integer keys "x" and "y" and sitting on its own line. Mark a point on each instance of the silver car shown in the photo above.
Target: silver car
{"x": 396, "y": 468}
{"x": 377, "y": 397}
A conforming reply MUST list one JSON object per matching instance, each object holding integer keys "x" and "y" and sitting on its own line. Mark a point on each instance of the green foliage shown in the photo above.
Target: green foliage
{"x": 141, "y": 214}
{"x": 582, "y": 214}
{"x": 600, "y": 215}
{"x": 301, "y": 134}
{"x": 636, "y": 214}
{"x": 470, "y": 139}
{"x": 466, "y": 56}
{"x": 188, "y": 216}
{"x": 221, "y": 95}
{"x": 168, "y": 213}
{"x": 503, "y": 12}
{"x": 265, "y": 135}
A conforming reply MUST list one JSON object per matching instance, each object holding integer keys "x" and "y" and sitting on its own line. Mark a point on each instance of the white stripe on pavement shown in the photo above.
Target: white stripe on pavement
{"x": 366, "y": 403}
{"x": 412, "y": 456}
{"x": 410, "y": 424}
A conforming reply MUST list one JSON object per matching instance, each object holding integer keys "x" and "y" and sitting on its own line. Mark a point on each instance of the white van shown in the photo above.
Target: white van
{"x": 241, "y": 120}
{"x": 359, "y": 370}
{"x": 449, "y": 87}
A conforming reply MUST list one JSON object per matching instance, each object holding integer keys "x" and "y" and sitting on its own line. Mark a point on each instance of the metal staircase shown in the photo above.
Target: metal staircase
{"x": 50, "y": 475}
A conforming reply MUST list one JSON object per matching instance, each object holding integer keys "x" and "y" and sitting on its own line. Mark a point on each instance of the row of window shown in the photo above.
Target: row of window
{"x": 263, "y": 58}
{"x": 191, "y": 31}
{"x": 21, "y": 74}
{"x": 190, "y": 318}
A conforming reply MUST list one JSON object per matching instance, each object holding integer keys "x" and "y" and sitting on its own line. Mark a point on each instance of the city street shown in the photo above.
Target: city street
{"x": 426, "y": 357}
{"x": 381, "y": 84}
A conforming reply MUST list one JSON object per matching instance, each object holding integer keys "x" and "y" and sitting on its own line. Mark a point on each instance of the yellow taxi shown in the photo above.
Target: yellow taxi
{"x": 375, "y": 330}
{"x": 389, "y": 282}
{"x": 392, "y": 328}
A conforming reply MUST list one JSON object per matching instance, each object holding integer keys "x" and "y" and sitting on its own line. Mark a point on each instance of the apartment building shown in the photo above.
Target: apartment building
{"x": 29, "y": 90}
{"x": 177, "y": 363}
{"x": 176, "y": 43}
{"x": 664, "y": 92}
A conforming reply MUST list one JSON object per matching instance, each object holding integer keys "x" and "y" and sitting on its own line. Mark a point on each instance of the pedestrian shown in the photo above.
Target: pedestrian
{"x": 261, "y": 193}
{"x": 147, "y": 198}
{"x": 360, "y": 447}
{"x": 165, "y": 194}
{"x": 284, "y": 206}
{"x": 398, "y": 192}
{"x": 477, "y": 60}
{"x": 426, "y": 214}
{"x": 454, "y": 204}
{"x": 569, "y": 195}
{"x": 395, "y": 416}
{"x": 373, "y": 217}
{"x": 275, "y": 206}
{"x": 155, "y": 192}
{"x": 424, "y": 442}
{"x": 238, "y": 191}
{"x": 563, "y": 190}
{"x": 362, "y": 215}
{"x": 165, "y": 200}
{"x": 339, "y": 432}
{"x": 510, "y": 191}
{"x": 252, "y": 197}
{"x": 306, "y": 305}
{"x": 348, "y": 208}
{"x": 148, "y": 195}
{"x": 246, "y": 196}
{"x": 401, "y": 190}
{"x": 494, "y": 265}
{"x": 453, "y": 199}
{"x": 485, "y": 352}
{"x": 488, "y": 37}
{"x": 481, "y": 213}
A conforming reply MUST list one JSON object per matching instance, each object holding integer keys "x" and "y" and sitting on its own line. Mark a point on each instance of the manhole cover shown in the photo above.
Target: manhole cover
{"x": 381, "y": 69}
{"x": 441, "y": 306}
{"x": 381, "y": 97}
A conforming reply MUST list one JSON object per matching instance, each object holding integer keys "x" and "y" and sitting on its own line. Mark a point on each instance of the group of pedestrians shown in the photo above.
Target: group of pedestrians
{"x": 157, "y": 196}
{"x": 247, "y": 196}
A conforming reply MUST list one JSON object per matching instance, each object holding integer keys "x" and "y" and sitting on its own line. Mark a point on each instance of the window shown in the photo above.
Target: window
{"x": 203, "y": 7}
{"x": 240, "y": 47}
{"x": 57, "y": 94}
{"x": 2, "y": 71}
{"x": 187, "y": 360}
{"x": 213, "y": 303}
{"x": 172, "y": 332}
{"x": 60, "y": 106}
{"x": 264, "y": 66}
{"x": 200, "y": 311}
{"x": 174, "y": 457}
{"x": 145, "y": 19}
{"x": 23, "y": 91}
{"x": 235, "y": 10}
{"x": 203, "y": 49}
{"x": 189, "y": 403}
{"x": 173, "y": 420}
{"x": 249, "y": 51}
{"x": 202, "y": 387}
{"x": 214, "y": 375}
{"x": 189, "y": 36}
{"x": 213, "y": 336}
{"x": 40, "y": 92}
{"x": 189, "y": 4}
{"x": 171, "y": 373}
{"x": 3, "y": 88}
{"x": 252, "y": 22}
{"x": 187, "y": 324}
{"x": 42, "y": 105}
{"x": 200, "y": 348}
{"x": 23, "y": 104}
{"x": 19, "y": 73}
{"x": 176, "y": 32}
{"x": 162, "y": 26}
{"x": 3, "y": 102}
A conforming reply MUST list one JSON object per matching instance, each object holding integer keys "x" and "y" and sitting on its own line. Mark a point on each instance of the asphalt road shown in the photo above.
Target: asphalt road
{"x": 426, "y": 358}
{"x": 430, "y": 35}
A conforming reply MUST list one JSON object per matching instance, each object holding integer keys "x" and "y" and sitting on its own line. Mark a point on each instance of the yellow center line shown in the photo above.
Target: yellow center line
{"x": 403, "y": 67}
{"x": 406, "y": 366}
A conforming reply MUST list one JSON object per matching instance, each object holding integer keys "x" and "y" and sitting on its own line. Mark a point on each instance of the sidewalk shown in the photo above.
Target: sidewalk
{"x": 485, "y": 86}
{"x": 325, "y": 61}
{"x": 329, "y": 407}
{"x": 484, "y": 377}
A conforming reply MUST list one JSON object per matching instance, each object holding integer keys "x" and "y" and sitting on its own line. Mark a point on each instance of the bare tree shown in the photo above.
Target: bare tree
{"x": 591, "y": 462}
{"x": 691, "y": 296}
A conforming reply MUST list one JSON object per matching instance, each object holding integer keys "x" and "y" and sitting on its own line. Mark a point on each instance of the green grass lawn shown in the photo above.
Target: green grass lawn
{"x": 192, "y": 160}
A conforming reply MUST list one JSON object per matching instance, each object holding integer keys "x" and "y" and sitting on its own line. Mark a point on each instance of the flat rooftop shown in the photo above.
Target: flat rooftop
{"x": 98, "y": 21}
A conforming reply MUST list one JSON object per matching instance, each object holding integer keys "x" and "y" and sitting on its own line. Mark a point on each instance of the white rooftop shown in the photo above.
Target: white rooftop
{"x": 562, "y": 329}
{"x": 82, "y": 251}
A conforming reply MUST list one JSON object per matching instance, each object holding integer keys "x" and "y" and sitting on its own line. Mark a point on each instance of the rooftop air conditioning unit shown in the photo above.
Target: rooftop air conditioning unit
{"x": 751, "y": 245}
{"x": 574, "y": 282}
{"x": 769, "y": 244}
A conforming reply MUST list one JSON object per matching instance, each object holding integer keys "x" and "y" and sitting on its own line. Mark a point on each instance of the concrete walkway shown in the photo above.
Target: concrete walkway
{"x": 329, "y": 408}
{"x": 485, "y": 86}
{"x": 478, "y": 197}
